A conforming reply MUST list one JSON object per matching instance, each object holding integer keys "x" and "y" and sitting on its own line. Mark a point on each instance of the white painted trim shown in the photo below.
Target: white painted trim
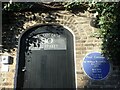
{"x": 74, "y": 53}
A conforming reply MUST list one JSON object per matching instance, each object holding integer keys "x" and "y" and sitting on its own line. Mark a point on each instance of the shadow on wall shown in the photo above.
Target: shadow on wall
{"x": 14, "y": 19}
{"x": 13, "y": 26}
{"x": 10, "y": 31}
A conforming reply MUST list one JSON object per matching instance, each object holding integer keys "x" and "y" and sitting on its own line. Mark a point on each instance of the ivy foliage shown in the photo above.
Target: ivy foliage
{"x": 13, "y": 6}
{"x": 109, "y": 23}
{"x": 76, "y": 7}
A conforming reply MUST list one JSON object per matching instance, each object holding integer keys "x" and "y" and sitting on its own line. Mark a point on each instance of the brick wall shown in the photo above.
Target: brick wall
{"x": 84, "y": 44}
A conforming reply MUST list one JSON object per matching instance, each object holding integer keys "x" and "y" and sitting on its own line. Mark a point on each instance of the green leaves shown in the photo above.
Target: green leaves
{"x": 16, "y": 6}
{"x": 102, "y": 20}
{"x": 108, "y": 21}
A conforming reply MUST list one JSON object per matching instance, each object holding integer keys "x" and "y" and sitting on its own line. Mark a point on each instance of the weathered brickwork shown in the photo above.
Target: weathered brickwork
{"x": 84, "y": 44}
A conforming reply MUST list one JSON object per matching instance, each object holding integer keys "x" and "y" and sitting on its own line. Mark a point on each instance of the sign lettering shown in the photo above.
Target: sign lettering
{"x": 96, "y": 66}
{"x": 48, "y": 41}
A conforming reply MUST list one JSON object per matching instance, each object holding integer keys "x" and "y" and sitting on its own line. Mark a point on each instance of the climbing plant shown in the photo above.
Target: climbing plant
{"x": 109, "y": 23}
{"x": 107, "y": 19}
{"x": 16, "y": 6}
{"x": 76, "y": 7}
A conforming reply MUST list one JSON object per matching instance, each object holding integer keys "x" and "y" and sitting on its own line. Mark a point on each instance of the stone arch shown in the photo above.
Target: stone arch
{"x": 79, "y": 24}
{"x": 66, "y": 21}
{"x": 25, "y": 53}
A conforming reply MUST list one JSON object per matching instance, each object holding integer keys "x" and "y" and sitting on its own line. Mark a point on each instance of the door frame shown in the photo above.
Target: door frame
{"x": 39, "y": 25}
{"x": 74, "y": 50}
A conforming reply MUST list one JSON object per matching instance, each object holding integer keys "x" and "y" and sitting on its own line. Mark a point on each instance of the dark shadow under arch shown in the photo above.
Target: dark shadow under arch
{"x": 45, "y": 58}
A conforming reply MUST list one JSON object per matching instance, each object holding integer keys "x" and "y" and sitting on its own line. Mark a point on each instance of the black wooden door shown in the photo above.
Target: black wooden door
{"x": 47, "y": 61}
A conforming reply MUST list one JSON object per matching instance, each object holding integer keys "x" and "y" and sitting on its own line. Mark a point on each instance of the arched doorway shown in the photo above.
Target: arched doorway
{"x": 46, "y": 58}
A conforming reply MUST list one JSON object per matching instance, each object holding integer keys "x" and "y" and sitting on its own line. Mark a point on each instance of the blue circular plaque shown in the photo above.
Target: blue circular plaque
{"x": 96, "y": 66}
